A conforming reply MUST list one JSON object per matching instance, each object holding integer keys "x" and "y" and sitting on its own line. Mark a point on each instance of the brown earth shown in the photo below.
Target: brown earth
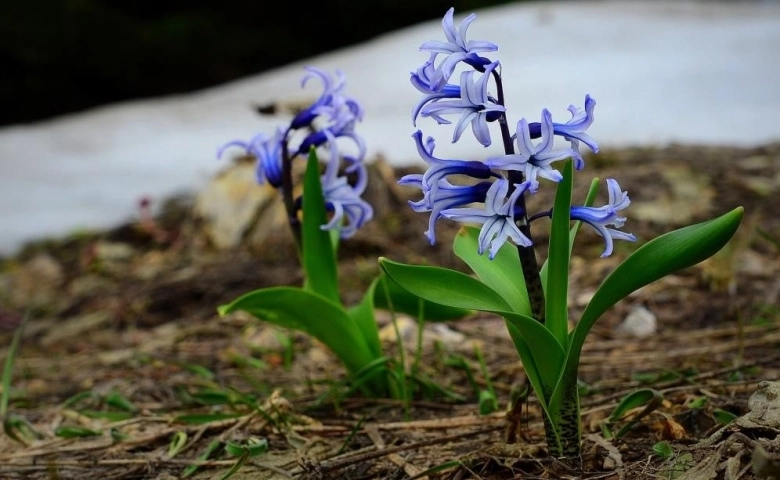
{"x": 129, "y": 314}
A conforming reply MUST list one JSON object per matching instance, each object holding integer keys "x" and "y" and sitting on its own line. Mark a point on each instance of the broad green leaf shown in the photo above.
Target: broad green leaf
{"x": 541, "y": 353}
{"x": 556, "y": 294}
{"x": 409, "y": 303}
{"x": 311, "y": 313}
{"x": 319, "y": 259}
{"x": 661, "y": 256}
{"x": 362, "y": 315}
{"x": 589, "y": 199}
{"x": 444, "y": 286}
{"x": 503, "y": 274}
{"x": 656, "y": 259}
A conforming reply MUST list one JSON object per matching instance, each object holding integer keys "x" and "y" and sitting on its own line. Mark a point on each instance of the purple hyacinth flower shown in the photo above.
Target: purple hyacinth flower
{"x": 456, "y": 49}
{"x": 474, "y": 106}
{"x": 600, "y": 217}
{"x": 447, "y": 196}
{"x": 267, "y": 151}
{"x": 497, "y": 218}
{"x": 574, "y": 130}
{"x": 533, "y": 160}
{"x": 350, "y": 212}
{"x": 440, "y": 168}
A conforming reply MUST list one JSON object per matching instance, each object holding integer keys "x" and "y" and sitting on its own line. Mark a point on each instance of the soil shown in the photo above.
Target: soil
{"x": 125, "y": 370}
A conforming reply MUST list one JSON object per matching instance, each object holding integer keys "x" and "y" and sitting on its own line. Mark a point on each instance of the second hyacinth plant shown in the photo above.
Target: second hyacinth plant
{"x": 330, "y": 208}
{"x": 494, "y": 197}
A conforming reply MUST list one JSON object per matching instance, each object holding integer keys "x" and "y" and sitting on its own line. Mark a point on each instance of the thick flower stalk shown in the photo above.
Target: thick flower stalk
{"x": 328, "y": 123}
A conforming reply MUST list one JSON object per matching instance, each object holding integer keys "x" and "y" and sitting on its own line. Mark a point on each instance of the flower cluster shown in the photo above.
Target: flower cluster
{"x": 327, "y": 123}
{"x": 502, "y": 181}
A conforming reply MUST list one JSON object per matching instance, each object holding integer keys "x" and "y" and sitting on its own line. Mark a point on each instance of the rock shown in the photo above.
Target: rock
{"x": 35, "y": 283}
{"x": 764, "y": 407}
{"x": 233, "y": 205}
{"x": 640, "y": 322}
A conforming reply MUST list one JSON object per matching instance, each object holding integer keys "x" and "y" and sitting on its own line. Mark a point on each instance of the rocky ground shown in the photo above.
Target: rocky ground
{"x": 125, "y": 370}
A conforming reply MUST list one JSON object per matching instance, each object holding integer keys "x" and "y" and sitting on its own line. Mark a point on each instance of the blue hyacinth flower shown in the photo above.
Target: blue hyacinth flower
{"x": 533, "y": 160}
{"x": 456, "y": 49}
{"x": 497, "y": 218}
{"x": 600, "y": 217}
{"x": 474, "y": 106}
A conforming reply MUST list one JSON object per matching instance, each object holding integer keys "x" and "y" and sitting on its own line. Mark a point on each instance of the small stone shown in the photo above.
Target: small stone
{"x": 406, "y": 327}
{"x": 640, "y": 322}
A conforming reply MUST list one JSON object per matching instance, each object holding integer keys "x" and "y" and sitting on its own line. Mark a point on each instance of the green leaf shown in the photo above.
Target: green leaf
{"x": 589, "y": 199}
{"x": 635, "y": 399}
{"x": 444, "y": 286}
{"x": 253, "y": 447}
{"x": 663, "y": 450}
{"x": 319, "y": 259}
{"x": 201, "y": 418}
{"x": 313, "y": 314}
{"x": 406, "y": 302}
{"x": 362, "y": 315}
{"x": 541, "y": 353}
{"x": 556, "y": 294}
{"x": 656, "y": 259}
{"x": 210, "y": 448}
{"x": 661, "y": 256}
{"x": 75, "y": 432}
{"x": 502, "y": 274}
{"x": 724, "y": 417}
{"x": 178, "y": 440}
{"x": 488, "y": 403}
{"x": 116, "y": 400}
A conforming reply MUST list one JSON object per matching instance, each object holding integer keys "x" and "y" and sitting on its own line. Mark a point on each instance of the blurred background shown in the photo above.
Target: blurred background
{"x": 65, "y": 56}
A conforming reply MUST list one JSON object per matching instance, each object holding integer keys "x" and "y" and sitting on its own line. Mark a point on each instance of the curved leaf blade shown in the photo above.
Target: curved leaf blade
{"x": 404, "y": 301}
{"x": 541, "y": 353}
{"x": 308, "y": 312}
{"x": 556, "y": 294}
{"x": 661, "y": 256}
{"x": 658, "y": 258}
{"x": 503, "y": 274}
{"x": 319, "y": 259}
{"x": 362, "y": 315}
{"x": 444, "y": 286}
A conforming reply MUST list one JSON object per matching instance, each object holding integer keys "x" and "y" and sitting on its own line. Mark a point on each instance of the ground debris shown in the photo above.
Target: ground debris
{"x": 130, "y": 314}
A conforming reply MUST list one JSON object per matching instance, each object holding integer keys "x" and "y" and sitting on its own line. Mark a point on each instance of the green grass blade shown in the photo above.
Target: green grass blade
{"x": 8, "y": 367}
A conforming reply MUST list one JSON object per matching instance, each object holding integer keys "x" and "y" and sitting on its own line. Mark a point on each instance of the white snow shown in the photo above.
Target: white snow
{"x": 661, "y": 72}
